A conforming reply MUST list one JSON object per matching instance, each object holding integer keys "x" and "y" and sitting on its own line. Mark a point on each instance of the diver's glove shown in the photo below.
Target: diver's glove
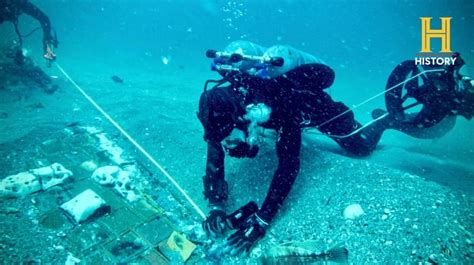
{"x": 252, "y": 230}
{"x": 218, "y": 223}
{"x": 243, "y": 150}
{"x": 49, "y": 54}
{"x": 215, "y": 224}
{"x": 238, "y": 218}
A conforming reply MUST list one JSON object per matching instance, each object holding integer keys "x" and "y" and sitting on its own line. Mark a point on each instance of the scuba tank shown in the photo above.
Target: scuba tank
{"x": 242, "y": 57}
{"x": 292, "y": 58}
{"x": 238, "y": 56}
{"x": 244, "y": 48}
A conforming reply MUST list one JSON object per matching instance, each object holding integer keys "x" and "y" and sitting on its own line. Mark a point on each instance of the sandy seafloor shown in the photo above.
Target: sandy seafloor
{"x": 425, "y": 192}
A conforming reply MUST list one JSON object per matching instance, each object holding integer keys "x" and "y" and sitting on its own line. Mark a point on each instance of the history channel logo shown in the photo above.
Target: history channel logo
{"x": 445, "y": 55}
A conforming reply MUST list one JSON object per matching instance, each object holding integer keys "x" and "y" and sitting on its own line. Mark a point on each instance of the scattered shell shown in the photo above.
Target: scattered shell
{"x": 353, "y": 211}
{"x": 58, "y": 247}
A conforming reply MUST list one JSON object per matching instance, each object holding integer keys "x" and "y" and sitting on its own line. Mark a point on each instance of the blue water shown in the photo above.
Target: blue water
{"x": 366, "y": 37}
{"x": 361, "y": 40}
{"x": 164, "y": 41}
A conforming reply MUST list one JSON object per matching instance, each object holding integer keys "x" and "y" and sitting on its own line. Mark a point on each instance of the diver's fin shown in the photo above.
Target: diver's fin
{"x": 386, "y": 120}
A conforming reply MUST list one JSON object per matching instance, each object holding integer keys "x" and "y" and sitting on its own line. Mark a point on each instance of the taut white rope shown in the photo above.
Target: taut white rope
{"x": 135, "y": 143}
{"x": 378, "y": 95}
{"x": 350, "y": 134}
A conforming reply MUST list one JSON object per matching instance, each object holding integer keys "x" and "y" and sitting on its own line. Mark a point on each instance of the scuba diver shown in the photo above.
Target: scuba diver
{"x": 10, "y": 10}
{"x": 285, "y": 94}
{"x": 282, "y": 88}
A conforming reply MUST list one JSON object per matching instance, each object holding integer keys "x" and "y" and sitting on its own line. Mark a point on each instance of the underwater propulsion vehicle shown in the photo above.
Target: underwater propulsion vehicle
{"x": 425, "y": 101}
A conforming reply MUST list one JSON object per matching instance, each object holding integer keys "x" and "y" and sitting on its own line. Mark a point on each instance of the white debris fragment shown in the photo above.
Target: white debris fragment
{"x": 33, "y": 180}
{"x": 353, "y": 211}
{"x": 91, "y": 130}
{"x": 71, "y": 260}
{"x": 19, "y": 185}
{"x": 115, "y": 152}
{"x": 51, "y": 176}
{"x": 124, "y": 188}
{"x": 84, "y": 205}
{"x": 119, "y": 178}
{"x": 106, "y": 175}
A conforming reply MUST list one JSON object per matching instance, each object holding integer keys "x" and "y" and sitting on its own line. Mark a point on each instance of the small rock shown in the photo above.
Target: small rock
{"x": 89, "y": 165}
{"x": 71, "y": 260}
{"x": 256, "y": 253}
{"x": 58, "y": 247}
{"x": 384, "y": 216}
{"x": 433, "y": 259}
{"x": 353, "y": 211}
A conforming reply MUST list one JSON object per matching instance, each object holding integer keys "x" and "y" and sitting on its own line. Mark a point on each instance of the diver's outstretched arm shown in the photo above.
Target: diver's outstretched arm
{"x": 215, "y": 186}
{"x": 288, "y": 151}
{"x": 30, "y": 9}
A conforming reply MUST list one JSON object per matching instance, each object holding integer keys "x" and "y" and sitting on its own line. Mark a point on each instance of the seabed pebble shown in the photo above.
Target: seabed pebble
{"x": 353, "y": 211}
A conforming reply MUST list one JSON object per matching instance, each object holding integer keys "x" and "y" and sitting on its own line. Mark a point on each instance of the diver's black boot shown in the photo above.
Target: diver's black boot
{"x": 377, "y": 113}
{"x": 371, "y": 135}
{"x": 388, "y": 120}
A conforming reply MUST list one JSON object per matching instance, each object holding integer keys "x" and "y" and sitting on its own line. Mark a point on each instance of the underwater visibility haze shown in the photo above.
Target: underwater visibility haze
{"x": 111, "y": 152}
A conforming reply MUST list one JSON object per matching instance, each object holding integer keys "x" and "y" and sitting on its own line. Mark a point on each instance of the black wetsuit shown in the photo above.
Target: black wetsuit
{"x": 297, "y": 100}
{"x": 10, "y": 10}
